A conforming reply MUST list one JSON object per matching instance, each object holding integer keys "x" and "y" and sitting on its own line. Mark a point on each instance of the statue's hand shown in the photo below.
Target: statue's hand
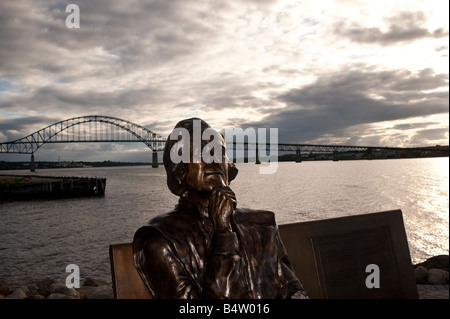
{"x": 221, "y": 207}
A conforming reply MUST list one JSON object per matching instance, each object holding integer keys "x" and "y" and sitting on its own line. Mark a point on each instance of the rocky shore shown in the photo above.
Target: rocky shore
{"x": 433, "y": 271}
{"x": 51, "y": 289}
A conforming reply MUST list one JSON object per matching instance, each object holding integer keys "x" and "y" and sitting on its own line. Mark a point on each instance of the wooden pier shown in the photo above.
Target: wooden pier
{"x": 23, "y": 187}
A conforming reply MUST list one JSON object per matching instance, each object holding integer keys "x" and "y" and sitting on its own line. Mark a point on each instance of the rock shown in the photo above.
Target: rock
{"x": 85, "y": 291}
{"x": 35, "y": 297}
{"x": 17, "y": 294}
{"x": 44, "y": 286}
{"x": 94, "y": 282}
{"x": 33, "y": 290}
{"x": 435, "y": 262}
{"x": 437, "y": 277}
{"x": 59, "y": 296}
{"x": 99, "y": 292}
{"x": 103, "y": 292}
{"x": 58, "y": 288}
{"x": 51, "y": 289}
{"x": 24, "y": 288}
{"x": 4, "y": 288}
{"x": 421, "y": 274}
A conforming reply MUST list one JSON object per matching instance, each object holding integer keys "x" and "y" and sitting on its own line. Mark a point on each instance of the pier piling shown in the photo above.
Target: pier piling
{"x": 32, "y": 165}
{"x": 155, "y": 159}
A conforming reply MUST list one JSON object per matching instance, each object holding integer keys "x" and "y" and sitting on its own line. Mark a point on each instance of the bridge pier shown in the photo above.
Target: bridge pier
{"x": 32, "y": 165}
{"x": 335, "y": 156}
{"x": 298, "y": 156}
{"x": 155, "y": 159}
{"x": 369, "y": 154}
{"x": 257, "y": 161}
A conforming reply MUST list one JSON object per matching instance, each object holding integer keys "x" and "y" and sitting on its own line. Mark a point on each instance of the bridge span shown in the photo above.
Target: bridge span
{"x": 101, "y": 129}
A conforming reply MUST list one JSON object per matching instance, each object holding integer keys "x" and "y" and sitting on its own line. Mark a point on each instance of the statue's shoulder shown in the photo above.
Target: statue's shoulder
{"x": 157, "y": 233}
{"x": 167, "y": 218}
{"x": 254, "y": 216}
{"x": 165, "y": 225}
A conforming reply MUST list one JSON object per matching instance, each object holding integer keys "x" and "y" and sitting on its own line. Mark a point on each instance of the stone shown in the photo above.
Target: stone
{"x": 35, "y": 297}
{"x": 99, "y": 292}
{"x": 103, "y": 292}
{"x": 33, "y": 290}
{"x": 44, "y": 286}
{"x": 59, "y": 296}
{"x": 437, "y": 277}
{"x": 23, "y": 288}
{"x": 17, "y": 294}
{"x": 57, "y": 288}
{"x": 421, "y": 274}
{"x": 94, "y": 282}
{"x": 438, "y": 262}
{"x": 4, "y": 287}
{"x": 86, "y": 291}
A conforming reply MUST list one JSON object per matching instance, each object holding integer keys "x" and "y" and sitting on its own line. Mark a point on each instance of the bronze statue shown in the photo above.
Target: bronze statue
{"x": 206, "y": 247}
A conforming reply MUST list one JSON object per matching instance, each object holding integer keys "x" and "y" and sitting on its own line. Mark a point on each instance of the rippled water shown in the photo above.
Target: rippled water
{"x": 39, "y": 239}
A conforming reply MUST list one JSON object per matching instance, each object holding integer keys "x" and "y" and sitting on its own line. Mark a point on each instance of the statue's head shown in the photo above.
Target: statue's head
{"x": 198, "y": 176}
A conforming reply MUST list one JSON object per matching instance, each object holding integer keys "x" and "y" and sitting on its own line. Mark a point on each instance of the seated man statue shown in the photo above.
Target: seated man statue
{"x": 206, "y": 247}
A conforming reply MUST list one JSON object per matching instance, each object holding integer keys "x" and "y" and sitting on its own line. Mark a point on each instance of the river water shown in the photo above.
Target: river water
{"x": 38, "y": 239}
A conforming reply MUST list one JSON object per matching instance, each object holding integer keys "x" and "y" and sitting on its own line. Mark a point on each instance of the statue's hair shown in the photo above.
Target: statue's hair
{"x": 175, "y": 171}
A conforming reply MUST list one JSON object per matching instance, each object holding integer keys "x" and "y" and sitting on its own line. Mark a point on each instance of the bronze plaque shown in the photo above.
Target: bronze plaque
{"x": 330, "y": 256}
{"x": 342, "y": 262}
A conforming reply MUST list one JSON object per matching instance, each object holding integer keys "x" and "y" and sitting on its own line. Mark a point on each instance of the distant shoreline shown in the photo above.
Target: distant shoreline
{"x": 5, "y": 165}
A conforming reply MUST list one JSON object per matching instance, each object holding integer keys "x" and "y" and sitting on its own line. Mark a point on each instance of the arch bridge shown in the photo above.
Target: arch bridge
{"x": 100, "y": 129}
{"x": 87, "y": 129}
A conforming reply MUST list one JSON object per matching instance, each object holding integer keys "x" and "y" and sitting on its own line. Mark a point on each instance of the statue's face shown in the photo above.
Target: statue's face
{"x": 205, "y": 177}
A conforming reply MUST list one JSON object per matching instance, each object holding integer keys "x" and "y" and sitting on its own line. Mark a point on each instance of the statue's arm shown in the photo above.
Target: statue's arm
{"x": 162, "y": 271}
{"x": 225, "y": 275}
{"x": 166, "y": 276}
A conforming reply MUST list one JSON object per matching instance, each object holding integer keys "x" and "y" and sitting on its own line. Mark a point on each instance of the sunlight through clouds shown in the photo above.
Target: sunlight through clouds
{"x": 318, "y": 70}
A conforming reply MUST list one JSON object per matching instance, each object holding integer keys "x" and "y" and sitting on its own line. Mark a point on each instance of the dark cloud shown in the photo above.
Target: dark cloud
{"x": 413, "y": 125}
{"x": 403, "y": 27}
{"x": 158, "y": 61}
{"x": 138, "y": 33}
{"x": 428, "y": 136}
{"x": 115, "y": 40}
{"x": 334, "y": 105}
{"x": 18, "y": 127}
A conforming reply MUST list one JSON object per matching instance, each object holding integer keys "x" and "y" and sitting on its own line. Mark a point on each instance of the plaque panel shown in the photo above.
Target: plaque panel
{"x": 330, "y": 256}
{"x": 342, "y": 262}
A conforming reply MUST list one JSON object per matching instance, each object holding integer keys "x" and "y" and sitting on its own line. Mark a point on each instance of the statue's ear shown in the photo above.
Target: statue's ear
{"x": 176, "y": 180}
{"x": 232, "y": 172}
{"x": 180, "y": 173}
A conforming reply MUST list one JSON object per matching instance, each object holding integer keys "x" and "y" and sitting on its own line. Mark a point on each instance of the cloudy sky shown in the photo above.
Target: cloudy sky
{"x": 331, "y": 72}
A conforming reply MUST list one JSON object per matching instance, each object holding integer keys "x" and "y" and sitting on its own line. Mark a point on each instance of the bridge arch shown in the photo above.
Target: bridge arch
{"x": 49, "y": 134}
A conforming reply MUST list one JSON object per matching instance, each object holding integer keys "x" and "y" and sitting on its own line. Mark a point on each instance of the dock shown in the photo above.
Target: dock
{"x": 24, "y": 187}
